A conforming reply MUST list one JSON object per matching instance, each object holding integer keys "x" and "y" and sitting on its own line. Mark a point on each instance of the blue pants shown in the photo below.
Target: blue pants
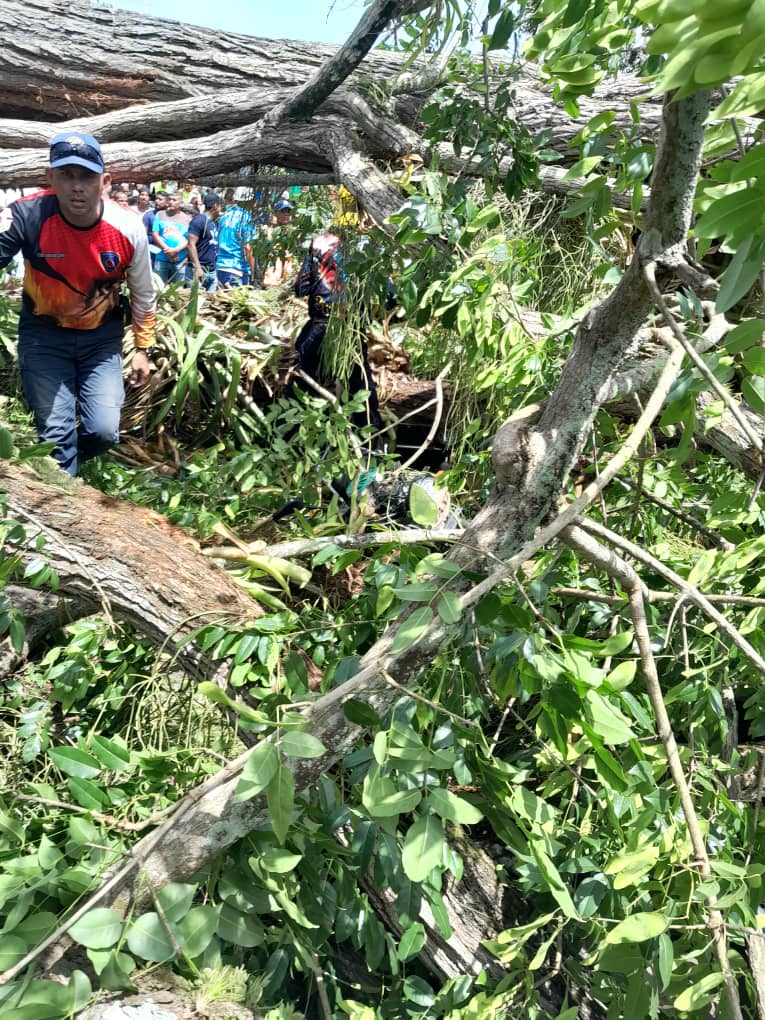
{"x": 170, "y": 272}
{"x": 209, "y": 280}
{"x": 65, "y": 374}
{"x": 226, "y": 278}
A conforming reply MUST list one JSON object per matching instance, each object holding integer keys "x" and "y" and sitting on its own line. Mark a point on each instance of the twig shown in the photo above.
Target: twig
{"x": 602, "y": 557}
{"x": 407, "y": 536}
{"x": 649, "y": 271}
{"x": 690, "y": 591}
{"x": 657, "y": 596}
{"x": 332, "y": 399}
{"x": 469, "y": 723}
{"x": 434, "y": 426}
{"x": 681, "y": 515}
{"x": 409, "y": 414}
{"x": 97, "y": 816}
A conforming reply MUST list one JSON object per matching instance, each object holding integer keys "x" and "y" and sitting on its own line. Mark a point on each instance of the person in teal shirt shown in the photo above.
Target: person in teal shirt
{"x": 171, "y": 235}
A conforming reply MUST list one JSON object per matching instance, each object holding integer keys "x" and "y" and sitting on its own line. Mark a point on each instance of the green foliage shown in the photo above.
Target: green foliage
{"x": 529, "y": 735}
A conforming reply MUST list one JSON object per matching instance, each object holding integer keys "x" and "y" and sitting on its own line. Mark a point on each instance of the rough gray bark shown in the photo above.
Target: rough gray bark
{"x": 261, "y": 85}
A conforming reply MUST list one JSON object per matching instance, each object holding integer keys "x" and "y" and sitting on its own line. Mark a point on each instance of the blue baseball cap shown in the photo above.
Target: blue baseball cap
{"x": 73, "y": 149}
{"x": 281, "y": 205}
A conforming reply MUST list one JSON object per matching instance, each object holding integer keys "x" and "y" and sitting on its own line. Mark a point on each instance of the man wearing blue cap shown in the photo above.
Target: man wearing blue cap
{"x": 78, "y": 252}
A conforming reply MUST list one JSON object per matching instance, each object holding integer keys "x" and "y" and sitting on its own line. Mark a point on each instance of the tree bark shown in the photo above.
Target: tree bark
{"x": 122, "y": 92}
{"x": 125, "y": 561}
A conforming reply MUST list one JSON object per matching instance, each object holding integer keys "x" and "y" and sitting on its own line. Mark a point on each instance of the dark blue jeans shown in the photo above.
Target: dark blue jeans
{"x": 227, "y": 278}
{"x": 68, "y": 374}
{"x": 209, "y": 282}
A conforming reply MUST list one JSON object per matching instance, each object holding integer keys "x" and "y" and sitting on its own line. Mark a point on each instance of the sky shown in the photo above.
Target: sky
{"x": 329, "y": 21}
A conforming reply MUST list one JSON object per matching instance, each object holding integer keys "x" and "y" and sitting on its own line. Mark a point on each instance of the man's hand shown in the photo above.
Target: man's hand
{"x": 140, "y": 367}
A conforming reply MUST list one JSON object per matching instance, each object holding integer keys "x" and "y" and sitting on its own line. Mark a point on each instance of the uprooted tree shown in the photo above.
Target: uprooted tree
{"x": 631, "y": 854}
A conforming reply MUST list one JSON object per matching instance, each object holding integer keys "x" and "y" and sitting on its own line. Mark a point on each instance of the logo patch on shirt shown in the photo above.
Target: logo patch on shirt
{"x": 110, "y": 260}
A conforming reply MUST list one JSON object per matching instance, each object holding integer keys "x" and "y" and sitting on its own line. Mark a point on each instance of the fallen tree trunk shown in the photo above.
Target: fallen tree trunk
{"x": 70, "y": 85}
{"x": 124, "y": 561}
{"x": 530, "y": 476}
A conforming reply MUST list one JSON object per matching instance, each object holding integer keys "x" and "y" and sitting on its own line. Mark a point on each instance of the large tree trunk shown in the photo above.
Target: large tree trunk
{"x": 122, "y": 92}
{"x": 125, "y": 561}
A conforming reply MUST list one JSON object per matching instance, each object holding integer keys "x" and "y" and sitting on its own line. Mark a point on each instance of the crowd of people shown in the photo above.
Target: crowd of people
{"x": 196, "y": 235}
{"x": 79, "y": 241}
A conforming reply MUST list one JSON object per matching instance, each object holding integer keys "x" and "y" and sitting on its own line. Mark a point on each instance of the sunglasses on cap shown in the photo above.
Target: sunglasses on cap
{"x": 76, "y": 150}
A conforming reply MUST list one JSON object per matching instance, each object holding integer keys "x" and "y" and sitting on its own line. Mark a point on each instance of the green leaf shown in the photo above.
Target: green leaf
{"x": 302, "y": 745}
{"x": 666, "y": 960}
{"x": 74, "y": 762}
{"x": 754, "y": 360}
{"x": 12, "y": 949}
{"x": 392, "y": 803}
{"x": 637, "y": 928}
{"x": 87, "y": 793}
{"x": 360, "y": 713}
{"x": 175, "y": 899}
{"x": 100, "y": 928}
{"x": 551, "y": 875}
{"x": 699, "y": 994}
{"x": 616, "y": 644}
{"x": 411, "y": 629}
{"x": 742, "y": 272}
{"x": 745, "y": 335}
{"x": 732, "y": 215}
{"x": 622, "y": 675}
{"x": 196, "y": 930}
{"x": 109, "y": 753}
{"x": 423, "y": 848}
{"x": 411, "y": 942}
{"x": 449, "y": 608}
{"x": 416, "y": 592}
{"x": 455, "y": 809}
{"x": 238, "y": 928}
{"x": 35, "y": 927}
{"x": 259, "y": 769}
{"x": 363, "y": 844}
{"x": 6, "y": 444}
{"x": 629, "y": 868}
{"x": 502, "y": 30}
{"x": 281, "y": 802}
{"x": 148, "y": 938}
{"x": 611, "y": 725}
{"x": 115, "y": 975}
{"x": 279, "y": 861}
{"x": 753, "y": 392}
{"x": 422, "y": 507}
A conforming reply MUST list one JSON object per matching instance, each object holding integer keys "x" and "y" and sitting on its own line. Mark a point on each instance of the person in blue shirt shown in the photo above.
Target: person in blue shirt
{"x": 203, "y": 244}
{"x": 170, "y": 230}
{"x": 235, "y": 265}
